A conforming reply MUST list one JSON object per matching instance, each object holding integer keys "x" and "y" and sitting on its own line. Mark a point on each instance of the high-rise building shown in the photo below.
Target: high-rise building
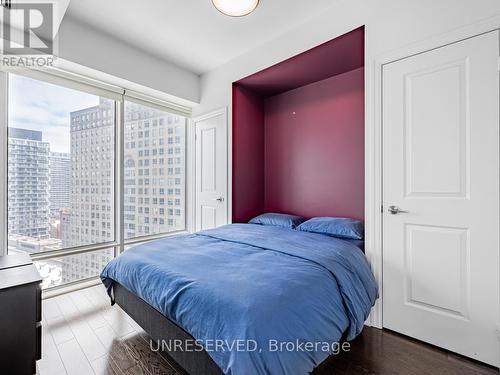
{"x": 60, "y": 182}
{"x": 154, "y": 165}
{"x": 92, "y": 176}
{"x": 28, "y": 184}
{"x": 154, "y": 191}
{"x": 65, "y": 226}
{"x": 90, "y": 219}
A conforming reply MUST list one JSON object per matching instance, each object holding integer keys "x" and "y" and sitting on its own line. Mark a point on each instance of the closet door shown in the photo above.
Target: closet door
{"x": 211, "y": 170}
{"x": 441, "y": 197}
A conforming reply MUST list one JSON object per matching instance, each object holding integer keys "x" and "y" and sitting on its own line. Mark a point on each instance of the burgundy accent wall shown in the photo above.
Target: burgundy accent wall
{"x": 248, "y": 154}
{"x": 314, "y": 148}
{"x": 311, "y": 162}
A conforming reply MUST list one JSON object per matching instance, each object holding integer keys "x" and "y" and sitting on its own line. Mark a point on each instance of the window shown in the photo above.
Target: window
{"x": 144, "y": 165}
{"x": 62, "y": 169}
{"x": 71, "y": 268}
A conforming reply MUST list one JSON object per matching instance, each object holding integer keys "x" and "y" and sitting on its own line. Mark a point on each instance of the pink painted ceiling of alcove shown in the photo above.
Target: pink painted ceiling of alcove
{"x": 334, "y": 57}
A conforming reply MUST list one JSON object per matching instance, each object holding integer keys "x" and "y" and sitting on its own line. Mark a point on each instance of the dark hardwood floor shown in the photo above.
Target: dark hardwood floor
{"x": 382, "y": 352}
{"x": 84, "y": 335}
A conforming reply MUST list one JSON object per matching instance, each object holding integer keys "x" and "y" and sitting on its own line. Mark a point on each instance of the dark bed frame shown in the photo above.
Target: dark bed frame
{"x": 159, "y": 327}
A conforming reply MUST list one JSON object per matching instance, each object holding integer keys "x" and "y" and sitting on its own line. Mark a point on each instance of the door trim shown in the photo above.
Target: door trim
{"x": 192, "y": 142}
{"x": 374, "y": 146}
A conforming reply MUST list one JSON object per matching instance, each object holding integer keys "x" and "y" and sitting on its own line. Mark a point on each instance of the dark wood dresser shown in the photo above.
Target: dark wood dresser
{"x": 20, "y": 315}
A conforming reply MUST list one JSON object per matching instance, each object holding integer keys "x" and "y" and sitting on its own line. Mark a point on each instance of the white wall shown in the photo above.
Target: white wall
{"x": 390, "y": 24}
{"x": 85, "y": 46}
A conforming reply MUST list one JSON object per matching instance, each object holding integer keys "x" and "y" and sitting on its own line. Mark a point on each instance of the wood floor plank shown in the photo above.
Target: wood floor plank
{"x": 50, "y": 310}
{"x": 75, "y": 361}
{"x": 100, "y": 291}
{"x": 136, "y": 370}
{"x": 166, "y": 357}
{"x": 107, "y": 336}
{"x": 82, "y": 331}
{"x": 67, "y": 307}
{"x": 150, "y": 361}
{"x": 119, "y": 323}
{"x": 114, "y": 315}
{"x": 105, "y": 366}
{"x": 121, "y": 356}
{"x": 382, "y": 352}
{"x": 94, "y": 298}
{"x": 88, "y": 340}
{"x": 51, "y": 363}
{"x": 88, "y": 310}
{"x": 115, "y": 348}
{"x": 59, "y": 329}
{"x": 101, "y": 295}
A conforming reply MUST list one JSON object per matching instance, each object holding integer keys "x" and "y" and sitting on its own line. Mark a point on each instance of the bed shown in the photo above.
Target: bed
{"x": 244, "y": 298}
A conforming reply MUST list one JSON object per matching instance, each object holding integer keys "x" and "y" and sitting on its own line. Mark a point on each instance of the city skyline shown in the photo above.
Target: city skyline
{"x": 41, "y": 106}
{"x": 76, "y": 206}
{"x": 172, "y": 176}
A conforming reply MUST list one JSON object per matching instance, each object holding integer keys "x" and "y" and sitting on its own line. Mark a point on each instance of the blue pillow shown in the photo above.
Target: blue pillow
{"x": 335, "y": 227}
{"x": 278, "y": 220}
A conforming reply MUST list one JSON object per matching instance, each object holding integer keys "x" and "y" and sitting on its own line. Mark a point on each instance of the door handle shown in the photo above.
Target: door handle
{"x": 394, "y": 210}
{"x": 220, "y": 199}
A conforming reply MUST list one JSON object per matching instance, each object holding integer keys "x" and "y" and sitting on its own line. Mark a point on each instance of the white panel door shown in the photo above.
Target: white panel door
{"x": 211, "y": 170}
{"x": 441, "y": 165}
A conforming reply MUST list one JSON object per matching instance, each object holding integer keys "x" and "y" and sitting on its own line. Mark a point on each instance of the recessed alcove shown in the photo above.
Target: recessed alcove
{"x": 298, "y": 134}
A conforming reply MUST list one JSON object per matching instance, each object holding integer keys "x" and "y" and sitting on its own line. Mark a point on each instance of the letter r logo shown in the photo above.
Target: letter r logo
{"x": 27, "y": 29}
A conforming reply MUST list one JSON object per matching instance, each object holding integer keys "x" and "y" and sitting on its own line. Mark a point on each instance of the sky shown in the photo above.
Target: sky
{"x": 41, "y": 106}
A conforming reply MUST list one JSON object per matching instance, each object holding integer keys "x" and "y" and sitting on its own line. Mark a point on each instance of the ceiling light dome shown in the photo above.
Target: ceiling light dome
{"x": 236, "y": 8}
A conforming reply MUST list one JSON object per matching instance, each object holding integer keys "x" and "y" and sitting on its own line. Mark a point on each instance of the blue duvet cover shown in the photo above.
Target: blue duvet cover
{"x": 260, "y": 299}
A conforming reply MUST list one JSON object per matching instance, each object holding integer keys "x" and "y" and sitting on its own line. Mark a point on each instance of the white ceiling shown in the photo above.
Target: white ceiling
{"x": 192, "y": 33}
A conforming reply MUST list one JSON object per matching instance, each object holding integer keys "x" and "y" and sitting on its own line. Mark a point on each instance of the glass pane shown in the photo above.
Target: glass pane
{"x": 60, "y": 167}
{"x": 70, "y": 268}
{"x": 154, "y": 167}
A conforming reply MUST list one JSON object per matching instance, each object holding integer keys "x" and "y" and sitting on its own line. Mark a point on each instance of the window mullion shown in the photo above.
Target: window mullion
{"x": 3, "y": 160}
{"x": 119, "y": 189}
{"x": 53, "y": 254}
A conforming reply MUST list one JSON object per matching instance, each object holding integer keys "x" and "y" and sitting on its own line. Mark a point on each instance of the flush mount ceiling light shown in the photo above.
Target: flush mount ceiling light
{"x": 235, "y": 8}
